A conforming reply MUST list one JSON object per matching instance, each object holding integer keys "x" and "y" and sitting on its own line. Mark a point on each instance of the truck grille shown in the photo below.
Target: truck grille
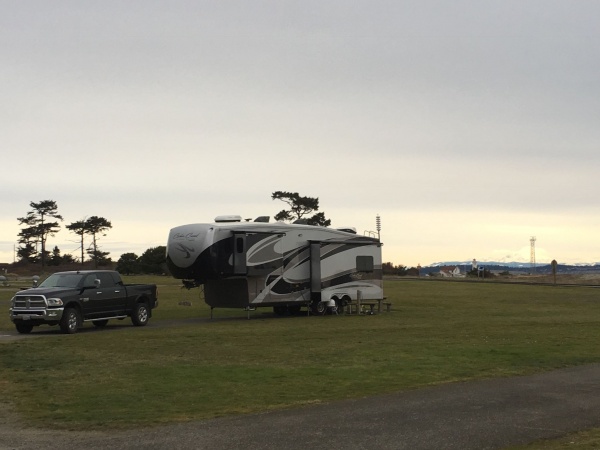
{"x": 30, "y": 302}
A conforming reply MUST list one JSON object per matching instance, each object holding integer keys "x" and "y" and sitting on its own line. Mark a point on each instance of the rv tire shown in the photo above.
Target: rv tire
{"x": 318, "y": 308}
{"x": 341, "y": 306}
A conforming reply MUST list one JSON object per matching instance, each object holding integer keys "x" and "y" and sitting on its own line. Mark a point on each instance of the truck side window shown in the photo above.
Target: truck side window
{"x": 105, "y": 280}
{"x": 89, "y": 280}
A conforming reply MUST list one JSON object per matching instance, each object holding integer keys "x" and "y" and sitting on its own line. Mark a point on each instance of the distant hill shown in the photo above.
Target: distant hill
{"x": 514, "y": 266}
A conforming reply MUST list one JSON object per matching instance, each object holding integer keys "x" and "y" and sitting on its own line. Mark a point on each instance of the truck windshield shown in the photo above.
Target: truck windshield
{"x": 61, "y": 280}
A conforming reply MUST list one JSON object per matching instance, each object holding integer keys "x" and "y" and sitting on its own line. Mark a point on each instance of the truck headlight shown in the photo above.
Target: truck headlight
{"x": 55, "y": 302}
{"x": 12, "y": 302}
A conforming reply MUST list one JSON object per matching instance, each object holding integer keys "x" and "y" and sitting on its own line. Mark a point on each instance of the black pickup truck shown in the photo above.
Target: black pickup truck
{"x": 68, "y": 299}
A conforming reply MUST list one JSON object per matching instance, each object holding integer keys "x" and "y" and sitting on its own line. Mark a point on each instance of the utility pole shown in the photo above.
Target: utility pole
{"x": 532, "y": 254}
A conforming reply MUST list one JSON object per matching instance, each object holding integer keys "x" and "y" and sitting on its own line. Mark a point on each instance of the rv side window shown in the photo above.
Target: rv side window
{"x": 364, "y": 263}
{"x": 239, "y": 245}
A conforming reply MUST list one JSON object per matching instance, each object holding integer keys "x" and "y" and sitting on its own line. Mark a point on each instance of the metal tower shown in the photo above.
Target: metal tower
{"x": 378, "y": 223}
{"x": 532, "y": 257}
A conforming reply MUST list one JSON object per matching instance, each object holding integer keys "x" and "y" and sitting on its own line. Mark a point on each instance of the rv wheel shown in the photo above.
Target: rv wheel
{"x": 318, "y": 308}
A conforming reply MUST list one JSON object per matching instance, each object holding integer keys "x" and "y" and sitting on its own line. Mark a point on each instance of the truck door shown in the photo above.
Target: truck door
{"x": 93, "y": 300}
{"x": 115, "y": 296}
{"x": 102, "y": 300}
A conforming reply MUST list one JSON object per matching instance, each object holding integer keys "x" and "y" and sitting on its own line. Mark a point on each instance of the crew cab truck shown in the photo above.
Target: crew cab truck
{"x": 68, "y": 299}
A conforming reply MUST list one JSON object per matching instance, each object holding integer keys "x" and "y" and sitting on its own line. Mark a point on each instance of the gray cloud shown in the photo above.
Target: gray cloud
{"x": 380, "y": 105}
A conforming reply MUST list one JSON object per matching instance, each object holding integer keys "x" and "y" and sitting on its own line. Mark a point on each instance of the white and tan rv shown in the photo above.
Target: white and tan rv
{"x": 244, "y": 264}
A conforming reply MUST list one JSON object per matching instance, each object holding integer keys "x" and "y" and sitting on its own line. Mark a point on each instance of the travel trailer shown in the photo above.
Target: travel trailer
{"x": 244, "y": 264}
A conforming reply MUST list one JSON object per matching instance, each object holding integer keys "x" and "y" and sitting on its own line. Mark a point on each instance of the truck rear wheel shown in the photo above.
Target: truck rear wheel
{"x": 24, "y": 328}
{"x": 140, "y": 314}
{"x": 70, "y": 321}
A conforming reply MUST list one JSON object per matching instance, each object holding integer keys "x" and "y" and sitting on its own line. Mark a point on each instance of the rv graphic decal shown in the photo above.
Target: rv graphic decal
{"x": 186, "y": 250}
{"x": 266, "y": 250}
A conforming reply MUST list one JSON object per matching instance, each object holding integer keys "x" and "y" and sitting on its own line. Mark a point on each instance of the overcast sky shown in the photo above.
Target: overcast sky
{"x": 468, "y": 126}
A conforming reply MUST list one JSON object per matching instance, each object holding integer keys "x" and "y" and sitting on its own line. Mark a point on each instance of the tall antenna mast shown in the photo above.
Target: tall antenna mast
{"x": 532, "y": 257}
{"x": 378, "y": 221}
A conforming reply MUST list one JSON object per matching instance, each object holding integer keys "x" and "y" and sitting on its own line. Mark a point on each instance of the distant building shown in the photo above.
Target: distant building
{"x": 450, "y": 271}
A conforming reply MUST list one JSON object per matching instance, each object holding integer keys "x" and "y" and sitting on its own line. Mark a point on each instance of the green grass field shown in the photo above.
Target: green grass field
{"x": 438, "y": 332}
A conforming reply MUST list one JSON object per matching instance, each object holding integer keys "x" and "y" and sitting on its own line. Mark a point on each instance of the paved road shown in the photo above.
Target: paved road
{"x": 488, "y": 414}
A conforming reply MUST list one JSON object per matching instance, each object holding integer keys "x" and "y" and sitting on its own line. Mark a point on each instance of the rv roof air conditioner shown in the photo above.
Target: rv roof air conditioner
{"x": 263, "y": 219}
{"x": 225, "y": 219}
{"x": 347, "y": 229}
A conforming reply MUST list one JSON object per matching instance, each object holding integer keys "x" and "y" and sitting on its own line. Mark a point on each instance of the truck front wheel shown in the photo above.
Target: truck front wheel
{"x": 140, "y": 315}
{"x": 24, "y": 328}
{"x": 70, "y": 321}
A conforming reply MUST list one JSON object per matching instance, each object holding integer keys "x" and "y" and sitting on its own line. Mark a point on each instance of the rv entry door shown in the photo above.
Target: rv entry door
{"x": 239, "y": 254}
{"x": 257, "y": 254}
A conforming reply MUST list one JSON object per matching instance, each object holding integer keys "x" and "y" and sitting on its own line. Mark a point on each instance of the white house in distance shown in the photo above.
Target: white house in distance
{"x": 450, "y": 271}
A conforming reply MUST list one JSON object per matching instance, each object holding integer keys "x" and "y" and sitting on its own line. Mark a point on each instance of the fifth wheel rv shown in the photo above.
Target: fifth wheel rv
{"x": 279, "y": 265}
